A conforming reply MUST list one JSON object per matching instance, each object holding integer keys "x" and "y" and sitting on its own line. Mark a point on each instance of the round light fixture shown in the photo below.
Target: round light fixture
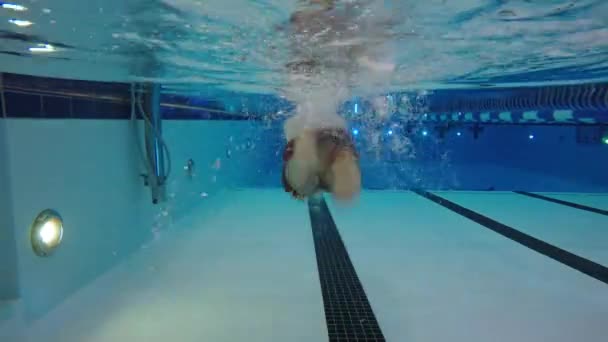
{"x": 46, "y": 232}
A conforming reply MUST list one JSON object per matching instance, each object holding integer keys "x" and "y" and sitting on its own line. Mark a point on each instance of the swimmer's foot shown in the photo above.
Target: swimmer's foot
{"x": 301, "y": 173}
{"x": 345, "y": 176}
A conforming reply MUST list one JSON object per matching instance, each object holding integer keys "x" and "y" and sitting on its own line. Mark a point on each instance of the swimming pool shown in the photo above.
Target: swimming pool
{"x": 483, "y": 160}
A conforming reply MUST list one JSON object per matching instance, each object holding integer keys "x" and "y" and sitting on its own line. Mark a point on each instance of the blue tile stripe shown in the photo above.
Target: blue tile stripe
{"x": 40, "y": 97}
{"x": 593, "y": 96}
{"x": 566, "y": 203}
{"x": 55, "y": 85}
{"x": 557, "y": 116}
{"x": 172, "y": 111}
{"x": 2, "y": 102}
{"x": 48, "y": 98}
{"x": 576, "y": 262}
{"x": 348, "y": 313}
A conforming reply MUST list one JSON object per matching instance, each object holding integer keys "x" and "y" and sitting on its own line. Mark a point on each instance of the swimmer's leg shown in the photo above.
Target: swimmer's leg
{"x": 302, "y": 169}
{"x": 343, "y": 178}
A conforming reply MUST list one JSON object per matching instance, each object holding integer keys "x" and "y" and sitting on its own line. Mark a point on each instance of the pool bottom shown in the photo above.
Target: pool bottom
{"x": 248, "y": 271}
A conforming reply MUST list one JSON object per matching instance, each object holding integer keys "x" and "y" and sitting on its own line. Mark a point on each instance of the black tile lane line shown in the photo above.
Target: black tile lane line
{"x": 562, "y": 202}
{"x": 348, "y": 313}
{"x": 574, "y": 261}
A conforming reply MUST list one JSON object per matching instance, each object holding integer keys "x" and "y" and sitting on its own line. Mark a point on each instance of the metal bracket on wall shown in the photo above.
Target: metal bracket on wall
{"x": 154, "y": 148}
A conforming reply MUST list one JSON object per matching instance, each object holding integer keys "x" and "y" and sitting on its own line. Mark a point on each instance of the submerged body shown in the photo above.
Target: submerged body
{"x": 326, "y": 53}
{"x": 322, "y": 159}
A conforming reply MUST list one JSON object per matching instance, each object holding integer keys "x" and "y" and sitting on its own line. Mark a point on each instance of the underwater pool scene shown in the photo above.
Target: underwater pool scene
{"x": 143, "y": 171}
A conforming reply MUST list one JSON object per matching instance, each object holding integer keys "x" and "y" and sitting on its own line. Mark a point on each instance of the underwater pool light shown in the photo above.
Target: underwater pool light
{"x": 425, "y": 133}
{"x": 390, "y": 132}
{"x": 13, "y": 7}
{"x": 20, "y": 23}
{"x": 531, "y": 136}
{"x": 43, "y": 48}
{"x": 458, "y": 133}
{"x": 605, "y": 140}
{"x": 46, "y": 232}
{"x": 355, "y": 131}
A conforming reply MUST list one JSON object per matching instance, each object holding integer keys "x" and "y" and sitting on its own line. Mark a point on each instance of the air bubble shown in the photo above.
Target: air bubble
{"x": 217, "y": 164}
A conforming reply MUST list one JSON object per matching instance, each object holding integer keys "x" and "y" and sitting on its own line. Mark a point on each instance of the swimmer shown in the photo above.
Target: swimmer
{"x": 326, "y": 53}
{"x": 318, "y": 160}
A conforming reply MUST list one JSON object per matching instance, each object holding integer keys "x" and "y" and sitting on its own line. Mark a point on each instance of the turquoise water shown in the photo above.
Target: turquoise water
{"x": 200, "y": 46}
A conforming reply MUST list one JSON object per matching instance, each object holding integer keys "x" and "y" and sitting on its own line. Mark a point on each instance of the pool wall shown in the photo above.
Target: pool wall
{"x": 9, "y": 287}
{"x": 88, "y": 171}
